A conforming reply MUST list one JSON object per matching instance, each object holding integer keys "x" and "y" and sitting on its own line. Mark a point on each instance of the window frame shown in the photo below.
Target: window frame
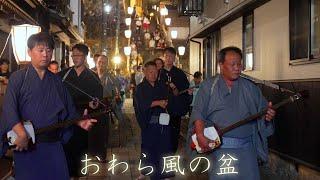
{"x": 309, "y": 58}
{"x": 244, "y": 38}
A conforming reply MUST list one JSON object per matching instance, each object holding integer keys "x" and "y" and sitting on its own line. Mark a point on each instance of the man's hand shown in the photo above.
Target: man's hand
{"x": 172, "y": 86}
{"x": 175, "y": 90}
{"x": 163, "y": 103}
{"x": 204, "y": 143}
{"x": 190, "y": 91}
{"x": 22, "y": 138}
{"x": 270, "y": 112}
{"x": 86, "y": 124}
{"x": 94, "y": 104}
{"x": 202, "y": 140}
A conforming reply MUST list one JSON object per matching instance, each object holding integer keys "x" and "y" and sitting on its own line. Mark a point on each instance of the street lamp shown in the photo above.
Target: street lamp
{"x": 127, "y": 33}
{"x": 19, "y": 37}
{"x": 174, "y": 34}
{"x": 107, "y": 8}
{"x": 117, "y": 60}
{"x": 167, "y": 21}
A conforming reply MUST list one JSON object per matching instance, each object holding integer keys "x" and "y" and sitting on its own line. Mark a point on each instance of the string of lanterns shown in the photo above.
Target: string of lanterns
{"x": 141, "y": 35}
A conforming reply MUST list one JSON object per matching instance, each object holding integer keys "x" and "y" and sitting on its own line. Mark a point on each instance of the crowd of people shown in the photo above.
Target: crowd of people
{"x": 162, "y": 95}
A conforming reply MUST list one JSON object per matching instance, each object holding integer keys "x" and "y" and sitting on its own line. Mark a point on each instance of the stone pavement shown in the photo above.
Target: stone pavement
{"x": 124, "y": 143}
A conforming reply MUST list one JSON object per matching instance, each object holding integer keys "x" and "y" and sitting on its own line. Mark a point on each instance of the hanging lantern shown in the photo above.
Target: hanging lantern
{"x": 163, "y": 11}
{"x": 154, "y": 7}
{"x": 127, "y": 50}
{"x": 181, "y": 50}
{"x": 167, "y": 21}
{"x": 128, "y": 21}
{"x": 130, "y": 10}
{"x": 19, "y": 37}
{"x": 127, "y": 33}
{"x": 174, "y": 34}
{"x": 152, "y": 43}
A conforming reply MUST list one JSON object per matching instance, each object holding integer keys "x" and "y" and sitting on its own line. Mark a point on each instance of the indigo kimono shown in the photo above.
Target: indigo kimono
{"x": 156, "y": 141}
{"x": 43, "y": 102}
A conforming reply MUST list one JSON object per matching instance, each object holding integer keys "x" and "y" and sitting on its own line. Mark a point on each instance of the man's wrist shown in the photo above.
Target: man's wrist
{"x": 199, "y": 128}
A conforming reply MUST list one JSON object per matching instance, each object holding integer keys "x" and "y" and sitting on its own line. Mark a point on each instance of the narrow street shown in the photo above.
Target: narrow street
{"x": 124, "y": 143}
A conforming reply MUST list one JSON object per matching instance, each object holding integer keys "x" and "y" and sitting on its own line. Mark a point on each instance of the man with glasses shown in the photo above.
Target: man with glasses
{"x": 81, "y": 82}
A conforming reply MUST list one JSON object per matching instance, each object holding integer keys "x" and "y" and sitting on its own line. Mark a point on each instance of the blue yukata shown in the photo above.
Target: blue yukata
{"x": 217, "y": 105}
{"x": 43, "y": 102}
{"x": 156, "y": 141}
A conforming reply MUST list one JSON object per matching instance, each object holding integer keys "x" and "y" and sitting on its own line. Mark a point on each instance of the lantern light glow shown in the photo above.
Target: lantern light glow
{"x": 19, "y": 37}
{"x": 127, "y": 33}
{"x": 163, "y": 11}
{"x": 181, "y": 50}
{"x": 130, "y": 10}
{"x": 167, "y": 21}
{"x": 128, "y": 21}
{"x": 127, "y": 50}
{"x": 107, "y": 8}
{"x": 174, "y": 34}
{"x": 117, "y": 59}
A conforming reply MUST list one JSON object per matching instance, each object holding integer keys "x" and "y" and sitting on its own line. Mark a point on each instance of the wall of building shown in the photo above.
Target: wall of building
{"x": 194, "y": 57}
{"x": 271, "y": 61}
{"x": 271, "y": 45}
{"x": 213, "y": 11}
{"x": 231, "y": 34}
{"x": 75, "y": 6}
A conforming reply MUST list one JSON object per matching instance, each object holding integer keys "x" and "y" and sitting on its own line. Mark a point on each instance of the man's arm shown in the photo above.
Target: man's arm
{"x": 199, "y": 114}
{"x": 10, "y": 111}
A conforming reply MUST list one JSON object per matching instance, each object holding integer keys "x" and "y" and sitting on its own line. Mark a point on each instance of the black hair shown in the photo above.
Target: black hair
{"x": 150, "y": 63}
{"x": 81, "y": 47}
{"x": 96, "y": 55}
{"x": 197, "y": 74}
{"x": 2, "y": 61}
{"x": 223, "y": 52}
{"x": 170, "y": 50}
{"x": 53, "y": 62}
{"x": 41, "y": 38}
